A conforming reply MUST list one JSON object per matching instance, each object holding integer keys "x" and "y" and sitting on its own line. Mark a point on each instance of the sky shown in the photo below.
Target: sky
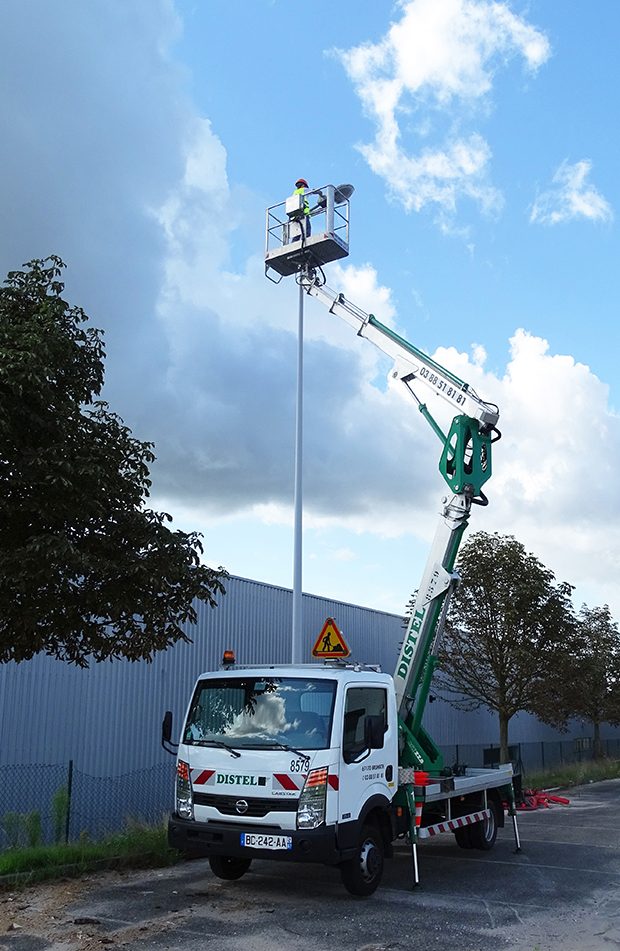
{"x": 142, "y": 141}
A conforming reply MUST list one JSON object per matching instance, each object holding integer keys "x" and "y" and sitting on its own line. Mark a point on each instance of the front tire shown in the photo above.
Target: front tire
{"x": 228, "y": 867}
{"x": 362, "y": 874}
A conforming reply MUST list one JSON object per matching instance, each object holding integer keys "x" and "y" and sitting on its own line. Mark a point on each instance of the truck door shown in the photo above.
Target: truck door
{"x": 365, "y": 772}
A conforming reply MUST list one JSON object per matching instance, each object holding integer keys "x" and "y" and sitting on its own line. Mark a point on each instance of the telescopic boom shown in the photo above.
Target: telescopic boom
{"x": 410, "y": 364}
{"x": 465, "y": 464}
{"x": 301, "y": 242}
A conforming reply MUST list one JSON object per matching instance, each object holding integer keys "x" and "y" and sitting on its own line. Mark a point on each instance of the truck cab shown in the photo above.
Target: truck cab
{"x": 292, "y": 762}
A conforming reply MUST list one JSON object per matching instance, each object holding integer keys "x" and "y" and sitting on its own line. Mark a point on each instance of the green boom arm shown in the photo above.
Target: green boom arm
{"x": 465, "y": 464}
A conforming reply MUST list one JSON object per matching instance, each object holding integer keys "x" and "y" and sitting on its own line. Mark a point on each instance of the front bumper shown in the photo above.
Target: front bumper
{"x": 201, "y": 839}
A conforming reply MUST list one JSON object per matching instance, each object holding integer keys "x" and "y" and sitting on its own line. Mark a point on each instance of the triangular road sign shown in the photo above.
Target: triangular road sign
{"x": 330, "y": 642}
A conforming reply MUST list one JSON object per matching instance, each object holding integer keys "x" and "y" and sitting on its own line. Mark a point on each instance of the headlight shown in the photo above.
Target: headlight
{"x": 311, "y": 810}
{"x": 185, "y": 801}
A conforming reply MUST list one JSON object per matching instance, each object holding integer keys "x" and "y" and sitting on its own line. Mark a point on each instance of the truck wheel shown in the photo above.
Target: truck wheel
{"x": 463, "y": 837}
{"x": 361, "y": 875}
{"x": 228, "y": 867}
{"x": 483, "y": 834}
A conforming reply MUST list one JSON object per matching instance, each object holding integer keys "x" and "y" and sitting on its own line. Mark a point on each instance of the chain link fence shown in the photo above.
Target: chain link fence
{"x": 44, "y": 804}
{"x": 528, "y": 758}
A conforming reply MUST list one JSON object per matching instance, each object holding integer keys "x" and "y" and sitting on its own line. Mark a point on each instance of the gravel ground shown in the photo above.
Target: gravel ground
{"x": 560, "y": 893}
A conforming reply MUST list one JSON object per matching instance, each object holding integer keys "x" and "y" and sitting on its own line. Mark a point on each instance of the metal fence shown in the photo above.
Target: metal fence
{"x": 59, "y": 803}
{"x": 530, "y": 758}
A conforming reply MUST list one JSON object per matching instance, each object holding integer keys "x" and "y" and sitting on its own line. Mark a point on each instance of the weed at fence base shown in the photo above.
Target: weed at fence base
{"x": 139, "y": 846}
{"x": 22, "y": 829}
{"x": 578, "y": 774}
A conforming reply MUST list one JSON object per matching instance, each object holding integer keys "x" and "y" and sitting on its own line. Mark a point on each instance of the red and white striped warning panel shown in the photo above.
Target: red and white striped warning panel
{"x": 203, "y": 777}
{"x": 294, "y": 782}
{"x": 451, "y": 825}
{"x": 291, "y": 782}
{"x": 281, "y": 783}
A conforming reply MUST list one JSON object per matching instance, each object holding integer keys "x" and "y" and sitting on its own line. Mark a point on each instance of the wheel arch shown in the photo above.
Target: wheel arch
{"x": 378, "y": 811}
{"x": 494, "y": 796}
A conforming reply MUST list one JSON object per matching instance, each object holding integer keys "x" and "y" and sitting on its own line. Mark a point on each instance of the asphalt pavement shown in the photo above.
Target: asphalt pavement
{"x": 560, "y": 893}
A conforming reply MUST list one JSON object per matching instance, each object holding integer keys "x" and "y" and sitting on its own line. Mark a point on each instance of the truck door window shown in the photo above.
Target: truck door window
{"x": 359, "y": 703}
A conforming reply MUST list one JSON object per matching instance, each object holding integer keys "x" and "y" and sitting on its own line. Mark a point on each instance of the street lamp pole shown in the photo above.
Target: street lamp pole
{"x": 296, "y": 637}
{"x": 291, "y": 247}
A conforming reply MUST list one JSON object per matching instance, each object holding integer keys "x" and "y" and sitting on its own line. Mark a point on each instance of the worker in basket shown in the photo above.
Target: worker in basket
{"x": 301, "y": 187}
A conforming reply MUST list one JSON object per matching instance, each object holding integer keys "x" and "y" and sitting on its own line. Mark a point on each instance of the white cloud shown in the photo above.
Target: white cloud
{"x": 342, "y": 554}
{"x": 370, "y": 460}
{"x": 571, "y": 197}
{"x": 224, "y": 418}
{"x": 212, "y": 381}
{"x": 555, "y": 466}
{"x": 438, "y": 58}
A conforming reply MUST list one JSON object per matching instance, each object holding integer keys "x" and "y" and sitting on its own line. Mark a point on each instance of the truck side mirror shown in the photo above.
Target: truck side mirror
{"x": 166, "y": 733}
{"x": 374, "y": 729}
{"x": 166, "y": 727}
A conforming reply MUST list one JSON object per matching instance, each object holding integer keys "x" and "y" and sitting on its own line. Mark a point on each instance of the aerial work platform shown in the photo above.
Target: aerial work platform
{"x": 296, "y": 239}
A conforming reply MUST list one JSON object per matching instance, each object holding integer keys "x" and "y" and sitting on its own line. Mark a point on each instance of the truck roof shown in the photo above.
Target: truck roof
{"x": 327, "y": 671}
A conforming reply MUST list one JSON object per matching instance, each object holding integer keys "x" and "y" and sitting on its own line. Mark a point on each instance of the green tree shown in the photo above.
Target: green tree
{"x": 587, "y": 680}
{"x": 87, "y": 571}
{"x": 508, "y": 622}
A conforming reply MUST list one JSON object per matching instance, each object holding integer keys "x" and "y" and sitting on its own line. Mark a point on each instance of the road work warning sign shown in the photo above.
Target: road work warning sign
{"x": 330, "y": 642}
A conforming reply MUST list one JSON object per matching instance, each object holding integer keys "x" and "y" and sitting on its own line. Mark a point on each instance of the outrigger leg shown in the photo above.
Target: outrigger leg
{"x": 513, "y": 813}
{"x": 413, "y": 835}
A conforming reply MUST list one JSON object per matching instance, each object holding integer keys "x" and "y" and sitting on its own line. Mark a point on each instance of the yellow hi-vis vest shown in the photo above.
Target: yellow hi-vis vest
{"x": 302, "y": 191}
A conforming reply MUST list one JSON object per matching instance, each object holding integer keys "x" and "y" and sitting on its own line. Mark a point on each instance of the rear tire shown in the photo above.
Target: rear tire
{"x": 483, "y": 834}
{"x": 362, "y": 874}
{"x": 229, "y": 867}
{"x": 463, "y": 837}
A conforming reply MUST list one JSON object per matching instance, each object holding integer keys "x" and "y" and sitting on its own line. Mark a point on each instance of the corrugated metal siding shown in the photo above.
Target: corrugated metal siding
{"x": 107, "y": 719}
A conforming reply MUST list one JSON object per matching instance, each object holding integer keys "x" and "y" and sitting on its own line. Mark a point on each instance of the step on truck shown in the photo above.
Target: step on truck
{"x": 330, "y": 762}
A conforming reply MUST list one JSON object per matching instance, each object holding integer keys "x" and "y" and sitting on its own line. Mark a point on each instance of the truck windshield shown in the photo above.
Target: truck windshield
{"x": 262, "y": 712}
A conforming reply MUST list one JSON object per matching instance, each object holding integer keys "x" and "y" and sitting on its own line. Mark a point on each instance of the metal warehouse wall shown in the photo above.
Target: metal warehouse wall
{"x": 107, "y": 718}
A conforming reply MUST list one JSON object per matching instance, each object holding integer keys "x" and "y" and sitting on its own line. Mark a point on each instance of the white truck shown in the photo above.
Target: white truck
{"x": 330, "y": 762}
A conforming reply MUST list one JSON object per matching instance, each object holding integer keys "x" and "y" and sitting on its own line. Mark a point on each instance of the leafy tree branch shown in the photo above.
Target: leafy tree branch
{"x": 87, "y": 571}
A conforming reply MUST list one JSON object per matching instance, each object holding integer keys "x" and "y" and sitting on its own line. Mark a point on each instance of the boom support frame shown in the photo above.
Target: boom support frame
{"x": 465, "y": 465}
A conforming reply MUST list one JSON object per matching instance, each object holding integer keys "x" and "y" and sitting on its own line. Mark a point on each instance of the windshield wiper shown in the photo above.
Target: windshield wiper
{"x": 290, "y": 749}
{"x": 218, "y": 743}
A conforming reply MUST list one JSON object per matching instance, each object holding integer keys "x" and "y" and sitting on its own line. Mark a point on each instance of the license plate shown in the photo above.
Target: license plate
{"x": 253, "y": 840}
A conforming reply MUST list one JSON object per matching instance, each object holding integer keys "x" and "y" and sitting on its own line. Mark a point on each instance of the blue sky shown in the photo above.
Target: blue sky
{"x": 142, "y": 141}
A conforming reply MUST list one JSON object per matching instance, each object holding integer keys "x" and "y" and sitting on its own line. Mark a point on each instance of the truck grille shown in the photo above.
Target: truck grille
{"x": 257, "y": 808}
